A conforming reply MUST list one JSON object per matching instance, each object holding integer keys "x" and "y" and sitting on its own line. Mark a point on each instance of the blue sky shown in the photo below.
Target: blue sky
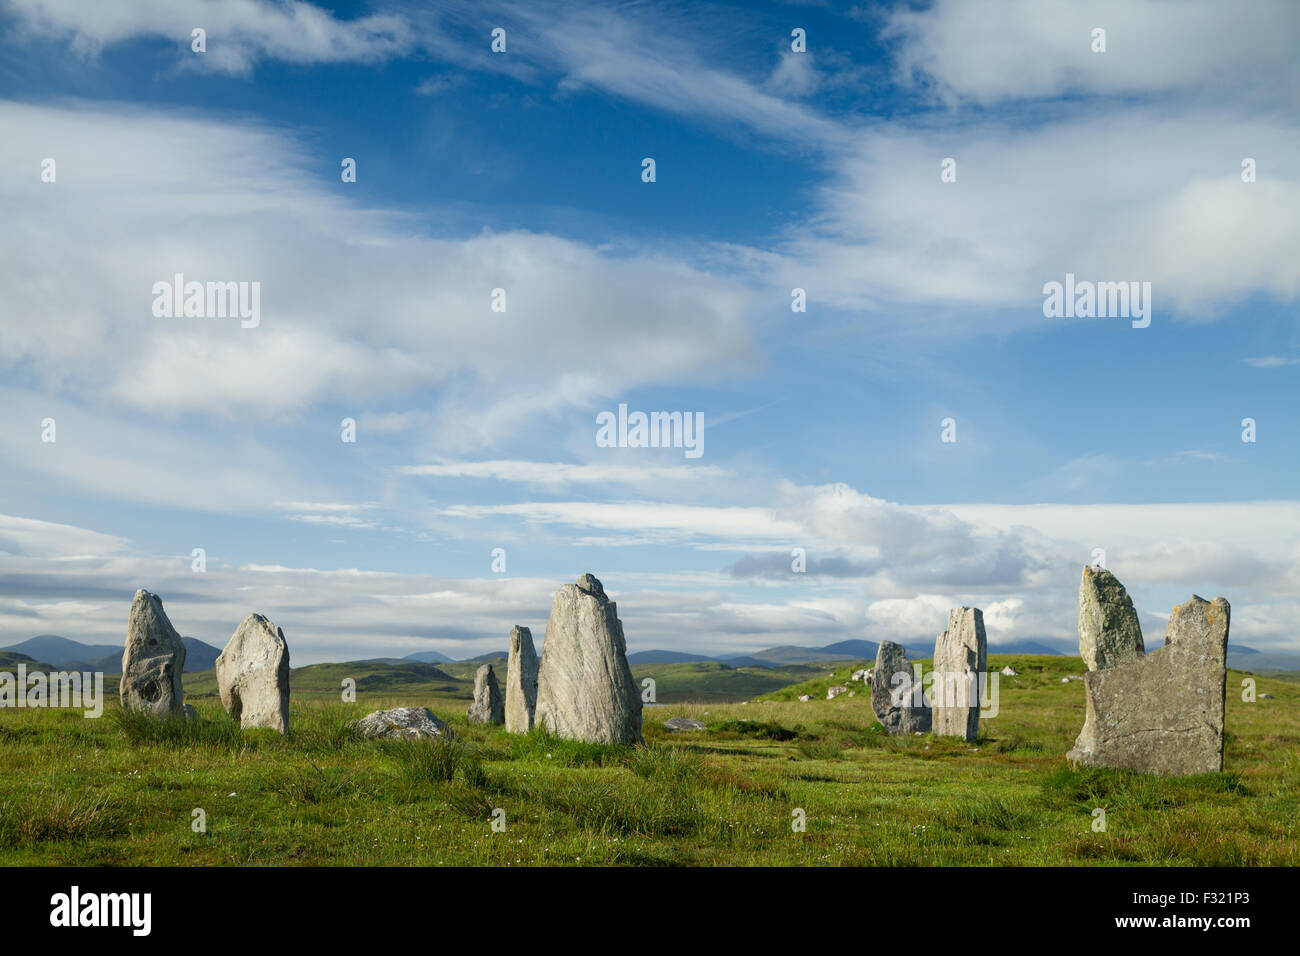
{"x": 522, "y": 170}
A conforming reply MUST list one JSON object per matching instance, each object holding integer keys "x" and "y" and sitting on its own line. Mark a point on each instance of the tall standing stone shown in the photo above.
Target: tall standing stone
{"x": 253, "y": 675}
{"x": 960, "y": 659}
{"x": 1109, "y": 632}
{"x": 1163, "y": 713}
{"x": 152, "y": 661}
{"x": 585, "y": 689}
{"x": 896, "y": 699}
{"x": 521, "y": 682}
{"x": 488, "y": 707}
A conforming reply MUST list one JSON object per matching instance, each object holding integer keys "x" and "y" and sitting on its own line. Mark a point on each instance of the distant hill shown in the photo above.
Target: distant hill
{"x": 9, "y": 661}
{"x": 62, "y": 652}
{"x": 665, "y": 657}
{"x": 429, "y": 657}
{"x": 1028, "y": 647}
{"x": 1261, "y": 662}
{"x": 785, "y": 654}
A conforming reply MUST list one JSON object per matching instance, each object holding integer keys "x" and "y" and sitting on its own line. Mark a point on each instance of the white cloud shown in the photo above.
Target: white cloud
{"x": 1033, "y": 202}
{"x": 989, "y": 51}
{"x": 562, "y": 473}
{"x": 239, "y": 32}
{"x": 356, "y": 307}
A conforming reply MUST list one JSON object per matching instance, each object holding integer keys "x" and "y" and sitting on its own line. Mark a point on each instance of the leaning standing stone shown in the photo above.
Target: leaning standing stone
{"x": 488, "y": 707}
{"x": 585, "y": 689}
{"x": 153, "y": 660}
{"x": 1109, "y": 632}
{"x": 899, "y": 704}
{"x": 253, "y": 675}
{"x": 521, "y": 682}
{"x": 960, "y": 656}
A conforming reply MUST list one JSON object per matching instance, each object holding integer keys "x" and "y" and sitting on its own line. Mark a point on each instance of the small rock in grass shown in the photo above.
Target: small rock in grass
{"x": 683, "y": 723}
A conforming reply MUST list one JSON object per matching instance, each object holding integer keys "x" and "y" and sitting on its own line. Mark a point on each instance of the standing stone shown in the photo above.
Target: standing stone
{"x": 152, "y": 661}
{"x": 253, "y": 675}
{"x": 1109, "y": 632}
{"x": 585, "y": 689}
{"x": 1164, "y": 712}
{"x": 488, "y": 707}
{"x": 960, "y": 658}
{"x": 521, "y": 682}
{"x": 894, "y": 693}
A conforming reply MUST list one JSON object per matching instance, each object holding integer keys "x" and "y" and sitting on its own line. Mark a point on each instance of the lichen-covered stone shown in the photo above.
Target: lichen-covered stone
{"x": 894, "y": 694}
{"x": 1109, "y": 632}
{"x": 488, "y": 706}
{"x": 585, "y": 689}
{"x": 521, "y": 681}
{"x": 253, "y": 675}
{"x": 152, "y": 661}
{"x": 403, "y": 723}
{"x": 1163, "y": 713}
{"x": 960, "y": 658}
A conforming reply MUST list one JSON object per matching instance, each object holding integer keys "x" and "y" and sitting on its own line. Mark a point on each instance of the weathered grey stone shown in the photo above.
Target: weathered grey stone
{"x": 1163, "y": 713}
{"x": 521, "y": 682}
{"x": 960, "y": 658}
{"x": 488, "y": 706}
{"x": 893, "y": 694}
{"x": 833, "y": 692}
{"x": 152, "y": 661}
{"x": 858, "y": 675}
{"x": 684, "y": 723}
{"x": 253, "y": 675}
{"x": 403, "y": 723}
{"x": 1109, "y": 632}
{"x": 1009, "y": 671}
{"x": 189, "y": 712}
{"x": 585, "y": 689}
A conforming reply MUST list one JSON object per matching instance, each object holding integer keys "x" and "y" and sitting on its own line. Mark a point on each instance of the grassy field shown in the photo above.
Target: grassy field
{"x": 122, "y": 790}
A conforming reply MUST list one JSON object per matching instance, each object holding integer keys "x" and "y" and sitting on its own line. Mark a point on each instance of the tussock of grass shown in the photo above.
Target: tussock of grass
{"x": 665, "y": 763}
{"x": 63, "y": 816}
{"x": 314, "y": 784}
{"x": 428, "y": 759}
{"x": 821, "y": 749}
{"x": 222, "y": 732}
{"x": 554, "y": 751}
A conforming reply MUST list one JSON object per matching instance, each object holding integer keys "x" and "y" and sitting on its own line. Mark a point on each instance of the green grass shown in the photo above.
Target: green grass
{"x": 123, "y": 790}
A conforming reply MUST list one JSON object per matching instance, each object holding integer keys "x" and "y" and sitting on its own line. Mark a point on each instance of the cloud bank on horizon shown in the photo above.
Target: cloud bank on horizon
{"x": 500, "y": 274}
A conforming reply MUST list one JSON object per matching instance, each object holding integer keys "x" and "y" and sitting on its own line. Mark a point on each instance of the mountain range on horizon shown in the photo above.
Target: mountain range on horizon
{"x": 64, "y": 652}
{"x": 74, "y": 655}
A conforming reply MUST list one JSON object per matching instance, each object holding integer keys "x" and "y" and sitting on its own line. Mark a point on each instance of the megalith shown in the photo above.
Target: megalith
{"x": 585, "y": 689}
{"x": 488, "y": 706}
{"x": 152, "y": 661}
{"x": 1109, "y": 632}
{"x": 521, "y": 681}
{"x": 253, "y": 675}
{"x": 896, "y": 698}
{"x": 960, "y": 659}
{"x": 1163, "y": 713}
